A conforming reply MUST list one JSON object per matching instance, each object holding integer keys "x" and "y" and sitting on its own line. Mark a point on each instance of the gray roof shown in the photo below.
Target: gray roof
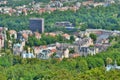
{"x": 101, "y": 37}
{"x": 81, "y": 42}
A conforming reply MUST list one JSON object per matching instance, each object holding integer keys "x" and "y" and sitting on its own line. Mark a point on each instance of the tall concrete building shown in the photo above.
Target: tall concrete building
{"x": 36, "y": 24}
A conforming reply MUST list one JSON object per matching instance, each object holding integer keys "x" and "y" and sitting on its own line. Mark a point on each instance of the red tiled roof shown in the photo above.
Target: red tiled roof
{"x": 37, "y": 34}
{"x": 42, "y": 10}
{"x": 52, "y": 34}
{"x": 12, "y": 32}
{"x": 66, "y": 35}
{"x": 25, "y": 35}
{"x": 52, "y": 9}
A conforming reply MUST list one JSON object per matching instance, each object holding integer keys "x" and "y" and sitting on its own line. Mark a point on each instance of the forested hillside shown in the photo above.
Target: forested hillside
{"x": 99, "y": 17}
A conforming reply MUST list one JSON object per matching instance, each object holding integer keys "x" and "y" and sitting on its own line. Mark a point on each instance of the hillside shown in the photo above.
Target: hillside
{"x": 103, "y": 17}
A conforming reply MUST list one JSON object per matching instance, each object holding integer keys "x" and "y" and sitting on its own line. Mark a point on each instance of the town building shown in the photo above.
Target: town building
{"x": 44, "y": 54}
{"x": 17, "y": 49}
{"x": 36, "y": 24}
{"x": 27, "y": 55}
{"x": 110, "y": 67}
{"x": 64, "y": 24}
{"x": 13, "y": 34}
{"x": 1, "y": 41}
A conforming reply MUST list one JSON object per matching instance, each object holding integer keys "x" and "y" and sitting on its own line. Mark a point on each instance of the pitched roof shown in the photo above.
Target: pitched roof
{"x": 25, "y": 35}
{"x": 66, "y": 35}
{"x": 12, "y": 32}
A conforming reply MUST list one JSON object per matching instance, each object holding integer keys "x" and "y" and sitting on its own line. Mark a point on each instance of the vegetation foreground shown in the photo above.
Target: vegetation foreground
{"x": 81, "y": 68}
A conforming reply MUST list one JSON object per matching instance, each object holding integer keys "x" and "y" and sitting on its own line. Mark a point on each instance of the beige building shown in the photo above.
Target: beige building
{"x": 1, "y": 41}
{"x": 13, "y": 34}
{"x": 66, "y": 53}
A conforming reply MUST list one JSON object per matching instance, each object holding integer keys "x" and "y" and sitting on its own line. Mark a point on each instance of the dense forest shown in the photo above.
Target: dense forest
{"x": 81, "y": 68}
{"x": 98, "y": 17}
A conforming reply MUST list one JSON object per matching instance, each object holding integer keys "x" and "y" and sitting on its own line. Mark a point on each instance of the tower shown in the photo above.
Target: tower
{"x": 36, "y": 24}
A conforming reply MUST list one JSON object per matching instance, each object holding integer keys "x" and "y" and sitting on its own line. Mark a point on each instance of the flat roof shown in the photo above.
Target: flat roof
{"x": 36, "y": 18}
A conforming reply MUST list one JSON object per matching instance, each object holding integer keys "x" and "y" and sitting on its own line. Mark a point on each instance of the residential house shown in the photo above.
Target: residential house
{"x": 85, "y": 42}
{"x": 110, "y": 67}
{"x": 22, "y": 42}
{"x": 24, "y": 34}
{"x": 3, "y": 2}
{"x": 58, "y": 32}
{"x": 2, "y": 29}
{"x": 95, "y": 31}
{"x": 24, "y": 10}
{"x": 56, "y": 4}
{"x": 36, "y": 50}
{"x": 26, "y": 31}
{"x": 83, "y": 34}
{"x": 84, "y": 51}
{"x": 3, "y": 32}
{"x": 64, "y": 0}
{"x": 37, "y": 35}
{"x": 101, "y": 47}
{"x": 36, "y": 6}
{"x": 1, "y": 41}
{"x": 115, "y": 33}
{"x": 17, "y": 49}
{"x": 51, "y": 46}
{"x": 11, "y": 11}
{"x": 9, "y": 43}
{"x": 52, "y": 34}
{"x": 41, "y": 10}
{"x": 103, "y": 38}
{"x": 39, "y": 49}
{"x": 78, "y": 4}
{"x": 98, "y": 4}
{"x": 108, "y": 2}
{"x": 74, "y": 8}
{"x": 62, "y": 53}
{"x": 62, "y": 50}
{"x": 27, "y": 55}
{"x": 6, "y": 10}
{"x": 86, "y": 3}
{"x": 59, "y": 54}
{"x": 13, "y": 34}
{"x": 66, "y": 36}
{"x": 44, "y": 54}
{"x": 64, "y": 24}
{"x": 63, "y": 8}
{"x": 47, "y": 7}
{"x": 66, "y": 53}
{"x": 52, "y": 9}
{"x": 74, "y": 55}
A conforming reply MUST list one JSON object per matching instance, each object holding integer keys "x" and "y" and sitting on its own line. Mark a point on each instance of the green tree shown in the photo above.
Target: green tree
{"x": 82, "y": 65}
{"x": 72, "y": 38}
{"x": 108, "y": 60}
{"x": 93, "y": 36}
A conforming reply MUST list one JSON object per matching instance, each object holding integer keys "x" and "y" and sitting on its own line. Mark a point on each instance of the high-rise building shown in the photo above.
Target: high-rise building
{"x": 36, "y": 24}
